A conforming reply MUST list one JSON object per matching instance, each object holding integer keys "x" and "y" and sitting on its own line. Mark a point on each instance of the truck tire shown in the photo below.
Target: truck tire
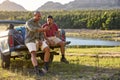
{"x": 5, "y": 61}
{"x": 51, "y": 57}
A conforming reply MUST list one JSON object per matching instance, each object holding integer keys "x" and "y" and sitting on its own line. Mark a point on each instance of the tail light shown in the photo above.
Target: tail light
{"x": 62, "y": 33}
{"x": 11, "y": 42}
{"x": 63, "y": 37}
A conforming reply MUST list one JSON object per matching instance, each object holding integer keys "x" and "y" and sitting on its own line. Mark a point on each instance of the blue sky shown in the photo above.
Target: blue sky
{"x": 32, "y": 5}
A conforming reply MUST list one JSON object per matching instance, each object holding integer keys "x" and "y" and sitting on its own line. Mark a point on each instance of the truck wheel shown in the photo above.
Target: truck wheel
{"x": 51, "y": 57}
{"x": 5, "y": 61}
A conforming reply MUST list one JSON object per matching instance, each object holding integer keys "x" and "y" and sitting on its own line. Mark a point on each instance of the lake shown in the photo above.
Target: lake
{"x": 91, "y": 42}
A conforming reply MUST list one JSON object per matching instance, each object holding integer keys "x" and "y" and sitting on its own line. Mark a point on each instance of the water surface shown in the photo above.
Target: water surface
{"x": 91, "y": 42}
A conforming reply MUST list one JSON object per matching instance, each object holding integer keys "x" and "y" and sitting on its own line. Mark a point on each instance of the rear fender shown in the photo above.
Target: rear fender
{"x": 4, "y": 45}
{"x": 62, "y": 35}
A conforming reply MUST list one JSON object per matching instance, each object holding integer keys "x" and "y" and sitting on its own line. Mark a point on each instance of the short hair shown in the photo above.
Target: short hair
{"x": 50, "y": 17}
{"x": 36, "y": 12}
{"x": 11, "y": 26}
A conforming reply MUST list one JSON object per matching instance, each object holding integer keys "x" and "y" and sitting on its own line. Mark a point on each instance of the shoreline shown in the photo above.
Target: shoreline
{"x": 112, "y": 35}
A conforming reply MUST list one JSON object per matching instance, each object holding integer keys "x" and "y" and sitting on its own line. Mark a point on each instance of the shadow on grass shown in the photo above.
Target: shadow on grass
{"x": 62, "y": 71}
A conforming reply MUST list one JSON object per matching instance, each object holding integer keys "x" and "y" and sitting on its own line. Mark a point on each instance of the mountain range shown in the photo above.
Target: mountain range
{"x": 81, "y": 4}
{"x": 73, "y": 5}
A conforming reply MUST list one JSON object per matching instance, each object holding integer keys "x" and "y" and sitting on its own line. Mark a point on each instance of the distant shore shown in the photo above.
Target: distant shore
{"x": 113, "y": 35}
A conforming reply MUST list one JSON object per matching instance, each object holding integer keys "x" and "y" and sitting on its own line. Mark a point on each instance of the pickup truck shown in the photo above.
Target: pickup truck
{"x": 8, "y": 48}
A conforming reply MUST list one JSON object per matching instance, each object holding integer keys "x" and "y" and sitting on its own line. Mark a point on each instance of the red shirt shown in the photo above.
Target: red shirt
{"x": 52, "y": 31}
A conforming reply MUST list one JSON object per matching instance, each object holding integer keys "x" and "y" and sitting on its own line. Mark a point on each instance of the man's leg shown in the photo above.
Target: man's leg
{"x": 46, "y": 50}
{"x": 62, "y": 49}
{"x": 46, "y": 57}
{"x": 32, "y": 49}
{"x": 34, "y": 62}
{"x": 33, "y": 58}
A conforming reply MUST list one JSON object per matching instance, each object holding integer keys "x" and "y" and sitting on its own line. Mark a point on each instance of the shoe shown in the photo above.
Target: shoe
{"x": 68, "y": 42}
{"x": 37, "y": 72}
{"x": 43, "y": 71}
{"x": 64, "y": 60}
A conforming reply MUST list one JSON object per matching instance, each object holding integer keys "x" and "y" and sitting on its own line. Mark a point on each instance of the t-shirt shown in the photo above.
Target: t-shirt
{"x": 52, "y": 31}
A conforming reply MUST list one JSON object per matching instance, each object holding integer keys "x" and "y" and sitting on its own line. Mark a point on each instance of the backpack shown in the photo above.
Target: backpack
{"x": 18, "y": 38}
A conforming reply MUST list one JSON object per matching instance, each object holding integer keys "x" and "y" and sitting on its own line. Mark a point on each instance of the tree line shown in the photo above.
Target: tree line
{"x": 82, "y": 19}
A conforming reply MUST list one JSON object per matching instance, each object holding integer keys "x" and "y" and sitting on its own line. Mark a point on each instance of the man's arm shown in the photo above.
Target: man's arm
{"x": 57, "y": 31}
{"x": 49, "y": 42}
{"x": 42, "y": 29}
{"x": 31, "y": 27}
{"x": 58, "y": 34}
{"x": 46, "y": 37}
{"x": 34, "y": 29}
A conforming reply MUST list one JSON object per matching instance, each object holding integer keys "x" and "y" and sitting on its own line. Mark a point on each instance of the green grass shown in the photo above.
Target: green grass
{"x": 94, "y": 50}
{"x": 80, "y": 67}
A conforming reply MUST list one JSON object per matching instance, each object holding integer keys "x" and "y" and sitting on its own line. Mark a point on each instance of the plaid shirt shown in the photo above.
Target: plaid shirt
{"x": 32, "y": 34}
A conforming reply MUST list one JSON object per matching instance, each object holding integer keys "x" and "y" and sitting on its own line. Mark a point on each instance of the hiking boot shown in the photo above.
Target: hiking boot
{"x": 64, "y": 60}
{"x": 43, "y": 71}
{"x": 37, "y": 72}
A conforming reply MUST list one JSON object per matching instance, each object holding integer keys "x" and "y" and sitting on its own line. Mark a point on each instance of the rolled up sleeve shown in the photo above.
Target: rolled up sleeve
{"x": 31, "y": 27}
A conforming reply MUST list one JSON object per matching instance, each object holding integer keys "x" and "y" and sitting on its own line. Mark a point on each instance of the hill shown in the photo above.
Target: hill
{"x": 11, "y": 6}
{"x": 82, "y": 4}
{"x": 51, "y": 6}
